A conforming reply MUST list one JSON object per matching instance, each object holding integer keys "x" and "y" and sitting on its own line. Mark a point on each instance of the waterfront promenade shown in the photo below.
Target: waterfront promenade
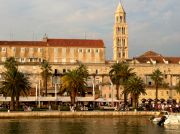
{"x": 68, "y": 114}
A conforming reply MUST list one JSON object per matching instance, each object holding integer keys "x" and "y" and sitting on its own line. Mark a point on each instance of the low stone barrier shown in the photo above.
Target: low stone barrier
{"x": 60, "y": 114}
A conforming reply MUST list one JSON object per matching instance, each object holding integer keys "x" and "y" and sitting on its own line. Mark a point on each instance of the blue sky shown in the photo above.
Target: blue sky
{"x": 153, "y": 24}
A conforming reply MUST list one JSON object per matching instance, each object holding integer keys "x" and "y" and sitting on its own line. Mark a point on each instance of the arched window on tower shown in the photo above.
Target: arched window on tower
{"x": 119, "y": 55}
{"x": 117, "y": 41}
{"x": 118, "y": 29}
{"x": 120, "y": 19}
{"x": 117, "y": 19}
{"x": 123, "y": 43}
{"x": 123, "y": 54}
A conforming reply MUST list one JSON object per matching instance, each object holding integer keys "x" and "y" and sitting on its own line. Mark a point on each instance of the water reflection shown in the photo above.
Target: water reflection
{"x": 123, "y": 125}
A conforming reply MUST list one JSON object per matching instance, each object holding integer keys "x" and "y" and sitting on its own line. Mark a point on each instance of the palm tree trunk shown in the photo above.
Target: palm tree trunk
{"x": 117, "y": 89}
{"x": 46, "y": 86}
{"x": 17, "y": 103}
{"x": 12, "y": 104}
{"x": 125, "y": 99}
{"x": 73, "y": 98}
{"x": 134, "y": 102}
{"x": 156, "y": 107}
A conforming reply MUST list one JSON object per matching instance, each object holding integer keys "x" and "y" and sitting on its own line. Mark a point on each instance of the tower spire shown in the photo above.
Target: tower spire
{"x": 120, "y": 7}
{"x": 120, "y": 38}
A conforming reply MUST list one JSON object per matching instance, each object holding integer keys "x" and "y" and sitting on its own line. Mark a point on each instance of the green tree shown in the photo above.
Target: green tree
{"x": 14, "y": 83}
{"x": 157, "y": 77}
{"x": 115, "y": 76}
{"x": 74, "y": 81}
{"x": 119, "y": 74}
{"x": 46, "y": 74}
{"x": 126, "y": 73}
{"x": 135, "y": 87}
{"x": 11, "y": 63}
{"x": 177, "y": 87}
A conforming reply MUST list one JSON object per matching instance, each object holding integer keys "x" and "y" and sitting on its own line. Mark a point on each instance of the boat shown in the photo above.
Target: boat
{"x": 164, "y": 118}
{"x": 172, "y": 120}
{"x": 159, "y": 115}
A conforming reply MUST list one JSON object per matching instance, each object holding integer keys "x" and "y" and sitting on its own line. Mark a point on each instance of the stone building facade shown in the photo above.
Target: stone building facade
{"x": 65, "y": 54}
{"x": 54, "y": 50}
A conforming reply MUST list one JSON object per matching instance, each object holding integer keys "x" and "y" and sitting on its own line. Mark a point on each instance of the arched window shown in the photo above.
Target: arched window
{"x": 120, "y": 19}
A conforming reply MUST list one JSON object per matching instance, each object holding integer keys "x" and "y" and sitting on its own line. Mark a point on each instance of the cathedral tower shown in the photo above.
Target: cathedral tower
{"x": 120, "y": 37}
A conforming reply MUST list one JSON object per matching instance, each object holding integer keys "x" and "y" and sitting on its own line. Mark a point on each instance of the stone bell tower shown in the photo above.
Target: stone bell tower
{"x": 120, "y": 37}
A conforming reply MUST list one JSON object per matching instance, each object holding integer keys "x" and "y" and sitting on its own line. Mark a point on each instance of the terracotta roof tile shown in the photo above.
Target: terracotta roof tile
{"x": 173, "y": 59}
{"x": 150, "y": 55}
{"x": 56, "y": 43}
{"x": 22, "y": 43}
{"x": 76, "y": 43}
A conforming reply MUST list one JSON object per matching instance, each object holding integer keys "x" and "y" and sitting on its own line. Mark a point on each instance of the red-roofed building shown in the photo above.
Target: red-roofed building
{"x": 54, "y": 50}
{"x": 155, "y": 58}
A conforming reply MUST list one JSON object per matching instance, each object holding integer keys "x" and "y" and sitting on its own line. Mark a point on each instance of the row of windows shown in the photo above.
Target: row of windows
{"x": 3, "y": 59}
{"x": 123, "y": 55}
{"x": 4, "y": 49}
{"x": 120, "y": 19}
{"x": 87, "y": 50}
{"x": 121, "y": 42}
{"x": 121, "y": 30}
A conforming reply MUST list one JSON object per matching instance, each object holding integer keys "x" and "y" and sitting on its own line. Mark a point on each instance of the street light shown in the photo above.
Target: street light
{"x": 56, "y": 80}
{"x": 39, "y": 103}
{"x": 170, "y": 83}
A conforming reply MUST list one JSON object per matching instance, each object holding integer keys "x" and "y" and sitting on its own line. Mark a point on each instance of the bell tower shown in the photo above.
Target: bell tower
{"x": 120, "y": 37}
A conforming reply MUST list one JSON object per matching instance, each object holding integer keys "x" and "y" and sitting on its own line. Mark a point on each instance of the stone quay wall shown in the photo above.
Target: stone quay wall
{"x": 60, "y": 114}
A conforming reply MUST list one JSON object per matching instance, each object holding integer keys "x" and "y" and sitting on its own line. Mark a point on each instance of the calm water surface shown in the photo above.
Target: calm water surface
{"x": 123, "y": 125}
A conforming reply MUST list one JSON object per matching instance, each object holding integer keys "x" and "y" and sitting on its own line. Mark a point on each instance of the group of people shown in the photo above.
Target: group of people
{"x": 171, "y": 107}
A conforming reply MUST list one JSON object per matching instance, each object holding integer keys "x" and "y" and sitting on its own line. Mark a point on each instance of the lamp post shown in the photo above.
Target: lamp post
{"x": 36, "y": 93}
{"x": 170, "y": 84}
{"x": 39, "y": 98}
{"x": 112, "y": 93}
{"x": 56, "y": 81}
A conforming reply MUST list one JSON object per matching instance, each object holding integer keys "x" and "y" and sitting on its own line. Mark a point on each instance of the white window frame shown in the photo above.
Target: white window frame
{"x": 14, "y": 49}
{"x": 31, "y": 50}
{"x": 40, "y": 49}
{"x": 80, "y": 50}
{"x": 4, "y": 49}
{"x": 23, "y": 49}
{"x": 88, "y": 50}
{"x": 97, "y": 50}
{"x": 3, "y": 59}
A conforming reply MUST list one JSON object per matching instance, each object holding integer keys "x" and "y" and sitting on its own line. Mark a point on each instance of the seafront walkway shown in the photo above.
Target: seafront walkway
{"x": 69, "y": 114}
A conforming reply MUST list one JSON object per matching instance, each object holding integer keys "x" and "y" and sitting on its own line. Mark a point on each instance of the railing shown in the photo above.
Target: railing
{"x": 59, "y": 98}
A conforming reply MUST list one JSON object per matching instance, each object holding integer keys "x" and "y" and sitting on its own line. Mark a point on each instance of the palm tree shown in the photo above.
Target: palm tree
{"x": 119, "y": 74}
{"x": 178, "y": 87}
{"x": 23, "y": 86}
{"x": 157, "y": 77}
{"x": 135, "y": 87}
{"x": 126, "y": 73}
{"x": 46, "y": 73}
{"x": 14, "y": 83}
{"x": 115, "y": 76}
{"x": 10, "y": 63}
{"x": 82, "y": 71}
{"x": 74, "y": 81}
